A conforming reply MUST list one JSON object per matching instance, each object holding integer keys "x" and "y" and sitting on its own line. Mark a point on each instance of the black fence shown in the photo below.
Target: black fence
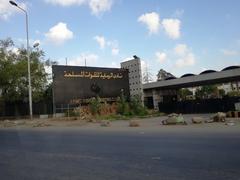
{"x": 21, "y": 109}
{"x": 200, "y": 106}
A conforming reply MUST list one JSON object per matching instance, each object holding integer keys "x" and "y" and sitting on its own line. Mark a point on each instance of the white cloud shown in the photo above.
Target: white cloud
{"x": 91, "y": 60}
{"x": 181, "y": 49}
{"x": 184, "y": 55}
{"x": 172, "y": 27}
{"x": 228, "y": 52}
{"x": 59, "y": 33}
{"x": 97, "y": 6}
{"x": 115, "y": 47}
{"x": 161, "y": 56}
{"x": 7, "y": 10}
{"x": 178, "y": 13}
{"x": 115, "y": 51}
{"x": 152, "y": 21}
{"x": 66, "y": 2}
{"x": 101, "y": 41}
{"x": 188, "y": 60}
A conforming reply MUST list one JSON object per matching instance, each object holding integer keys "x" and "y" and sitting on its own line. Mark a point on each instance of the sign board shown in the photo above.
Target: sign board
{"x": 72, "y": 84}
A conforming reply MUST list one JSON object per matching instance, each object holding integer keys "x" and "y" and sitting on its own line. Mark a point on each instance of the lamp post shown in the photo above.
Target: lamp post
{"x": 28, "y": 58}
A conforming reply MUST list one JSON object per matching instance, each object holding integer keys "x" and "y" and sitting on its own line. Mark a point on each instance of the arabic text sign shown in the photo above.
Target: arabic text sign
{"x": 91, "y": 75}
{"x": 77, "y": 83}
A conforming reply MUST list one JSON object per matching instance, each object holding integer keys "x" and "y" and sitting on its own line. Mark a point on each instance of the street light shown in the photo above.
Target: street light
{"x": 28, "y": 57}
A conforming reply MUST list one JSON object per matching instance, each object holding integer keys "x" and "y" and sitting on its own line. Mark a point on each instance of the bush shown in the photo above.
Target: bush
{"x": 95, "y": 105}
{"x": 123, "y": 106}
{"x": 233, "y": 93}
{"x": 137, "y": 107}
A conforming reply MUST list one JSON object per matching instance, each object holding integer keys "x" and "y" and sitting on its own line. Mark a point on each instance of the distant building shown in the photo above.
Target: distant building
{"x": 135, "y": 76}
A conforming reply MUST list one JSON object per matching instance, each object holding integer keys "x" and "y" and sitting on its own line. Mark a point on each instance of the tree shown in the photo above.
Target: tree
{"x": 221, "y": 92}
{"x": 206, "y": 92}
{"x": 14, "y": 72}
{"x": 162, "y": 75}
{"x": 184, "y": 93}
{"x": 233, "y": 93}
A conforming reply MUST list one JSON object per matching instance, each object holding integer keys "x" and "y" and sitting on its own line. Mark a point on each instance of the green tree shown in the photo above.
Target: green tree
{"x": 122, "y": 105}
{"x": 184, "y": 93}
{"x": 95, "y": 105}
{"x": 207, "y": 91}
{"x": 14, "y": 73}
{"x": 221, "y": 92}
{"x": 233, "y": 93}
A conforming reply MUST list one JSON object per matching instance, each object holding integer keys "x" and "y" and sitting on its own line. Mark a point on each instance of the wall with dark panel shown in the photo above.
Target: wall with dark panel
{"x": 74, "y": 83}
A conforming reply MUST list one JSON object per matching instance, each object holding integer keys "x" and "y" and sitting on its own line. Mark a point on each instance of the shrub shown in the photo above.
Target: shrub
{"x": 233, "y": 93}
{"x": 123, "y": 106}
{"x": 95, "y": 105}
{"x": 137, "y": 107}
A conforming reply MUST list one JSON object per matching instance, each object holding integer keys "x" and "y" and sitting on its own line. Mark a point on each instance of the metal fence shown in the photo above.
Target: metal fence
{"x": 200, "y": 106}
{"x": 21, "y": 109}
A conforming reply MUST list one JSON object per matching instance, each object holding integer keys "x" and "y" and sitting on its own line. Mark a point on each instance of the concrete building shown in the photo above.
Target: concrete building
{"x": 166, "y": 90}
{"x": 135, "y": 76}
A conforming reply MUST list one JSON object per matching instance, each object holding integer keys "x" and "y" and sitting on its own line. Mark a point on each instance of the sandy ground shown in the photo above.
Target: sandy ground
{"x": 146, "y": 125}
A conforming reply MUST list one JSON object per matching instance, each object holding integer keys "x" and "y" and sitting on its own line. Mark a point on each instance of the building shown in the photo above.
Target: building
{"x": 166, "y": 90}
{"x": 135, "y": 76}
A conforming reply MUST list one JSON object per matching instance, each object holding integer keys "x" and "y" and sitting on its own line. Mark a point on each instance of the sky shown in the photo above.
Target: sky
{"x": 179, "y": 36}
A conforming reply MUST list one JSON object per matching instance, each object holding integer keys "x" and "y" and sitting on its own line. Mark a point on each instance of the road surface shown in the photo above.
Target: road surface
{"x": 72, "y": 154}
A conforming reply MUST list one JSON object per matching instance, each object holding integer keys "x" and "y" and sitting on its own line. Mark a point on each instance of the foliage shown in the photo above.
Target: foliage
{"x": 162, "y": 75}
{"x": 95, "y": 105}
{"x": 221, "y": 92}
{"x": 137, "y": 107}
{"x": 14, "y": 72}
{"x": 123, "y": 106}
{"x": 233, "y": 93}
{"x": 134, "y": 107}
{"x": 184, "y": 93}
{"x": 207, "y": 91}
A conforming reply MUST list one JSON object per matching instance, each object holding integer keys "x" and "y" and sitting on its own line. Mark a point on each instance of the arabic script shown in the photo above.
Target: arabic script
{"x": 91, "y": 75}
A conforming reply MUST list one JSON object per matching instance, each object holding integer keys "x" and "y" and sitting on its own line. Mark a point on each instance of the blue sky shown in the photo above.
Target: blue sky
{"x": 180, "y": 36}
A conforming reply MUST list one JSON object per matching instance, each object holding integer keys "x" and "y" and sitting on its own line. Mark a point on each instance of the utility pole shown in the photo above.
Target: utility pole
{"x": 28, "y": 59}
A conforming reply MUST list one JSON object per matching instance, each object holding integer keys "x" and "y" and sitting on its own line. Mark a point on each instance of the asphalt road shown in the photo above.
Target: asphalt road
{"x": 69, "y": 154}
